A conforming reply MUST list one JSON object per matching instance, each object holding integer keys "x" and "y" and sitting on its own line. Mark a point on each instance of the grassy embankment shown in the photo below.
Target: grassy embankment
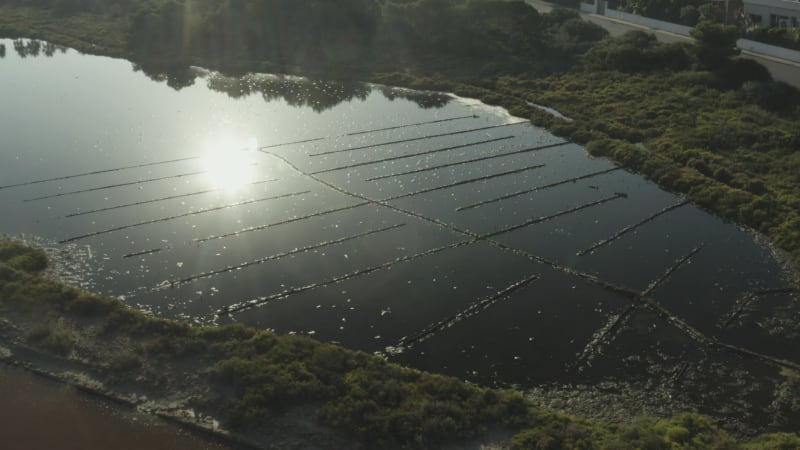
{"x": 249, "y": 376}
{"x": 85, "y": 32}
{"x": 715, "y": 129}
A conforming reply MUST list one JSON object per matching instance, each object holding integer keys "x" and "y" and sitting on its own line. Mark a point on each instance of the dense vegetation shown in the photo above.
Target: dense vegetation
{"x": 253, "y": 375}
{"x": 782, "y": 37}
{"x": 349, "y": 36}
{"x": 686, "y": 12}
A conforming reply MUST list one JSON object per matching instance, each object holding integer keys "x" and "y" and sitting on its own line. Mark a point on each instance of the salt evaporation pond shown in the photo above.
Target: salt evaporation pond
{"x": 436, "y": 230}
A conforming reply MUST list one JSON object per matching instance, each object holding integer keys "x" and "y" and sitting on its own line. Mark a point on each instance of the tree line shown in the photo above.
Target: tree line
{"x": 346, "y": 35}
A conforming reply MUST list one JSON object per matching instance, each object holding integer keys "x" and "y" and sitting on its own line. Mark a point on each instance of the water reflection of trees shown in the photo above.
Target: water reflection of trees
{"x": 319, "y": 95}
{"x": 34, "y": 48}
{"x": 177, "y": 76}
{"x": 426, "y": 100}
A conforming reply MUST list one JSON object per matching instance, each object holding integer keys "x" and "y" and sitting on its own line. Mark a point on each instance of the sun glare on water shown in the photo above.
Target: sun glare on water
{"x": 230, "y": 165}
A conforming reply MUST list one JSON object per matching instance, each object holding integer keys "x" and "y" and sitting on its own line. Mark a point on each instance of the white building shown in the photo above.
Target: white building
{"x": 773, "y": 13}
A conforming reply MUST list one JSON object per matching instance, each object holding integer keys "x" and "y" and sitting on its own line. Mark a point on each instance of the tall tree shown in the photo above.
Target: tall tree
{"x": 715, "y": 44}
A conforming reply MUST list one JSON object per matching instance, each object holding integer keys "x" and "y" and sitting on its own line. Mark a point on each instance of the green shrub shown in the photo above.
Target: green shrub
{"x": 776, "y": 441}
{"x": 69, "y": 7}
{"x": 781, "y": 37}
{"x": 715, "y": 44}
{"x": 637, "y": 51}
{"x": 21, "y": 257}
{"x": 53, "y": 336}
{"x": 125, "y": 362}
{"x": 734, "y": 73}
{"x": 774, "y": 96}
{"x": 236, "y": 331}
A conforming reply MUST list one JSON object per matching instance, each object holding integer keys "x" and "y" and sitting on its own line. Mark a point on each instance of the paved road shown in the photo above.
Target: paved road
{"x": 782, "y": 70}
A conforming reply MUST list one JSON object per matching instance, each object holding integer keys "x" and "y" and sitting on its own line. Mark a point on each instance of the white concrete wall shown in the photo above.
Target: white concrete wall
{"x": 766, "y": 12}
{"x": 645, "y": 21}
{"x": 758, "y": 10}
{"x": 769, "y": 50}
{"x": 587, "y": 8}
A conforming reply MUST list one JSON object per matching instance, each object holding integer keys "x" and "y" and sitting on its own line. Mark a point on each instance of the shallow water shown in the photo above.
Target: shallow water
{"x": 39, "y": 415}
{"x": 437, "y": 230}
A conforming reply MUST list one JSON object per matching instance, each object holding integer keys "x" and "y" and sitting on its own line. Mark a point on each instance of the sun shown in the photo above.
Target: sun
{"x": 230, "y": 165}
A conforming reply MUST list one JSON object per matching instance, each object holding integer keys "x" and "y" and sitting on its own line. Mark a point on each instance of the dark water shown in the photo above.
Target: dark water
{"x": 39, "y": 415}
{"x": 435, "y": 229}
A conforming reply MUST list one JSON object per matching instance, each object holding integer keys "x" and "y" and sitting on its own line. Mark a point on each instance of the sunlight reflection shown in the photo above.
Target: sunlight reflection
{"x": 230, "y": 165}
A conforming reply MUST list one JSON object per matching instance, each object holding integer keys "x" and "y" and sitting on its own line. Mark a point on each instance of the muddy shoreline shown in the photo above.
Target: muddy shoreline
{"x": 77, "y": 420}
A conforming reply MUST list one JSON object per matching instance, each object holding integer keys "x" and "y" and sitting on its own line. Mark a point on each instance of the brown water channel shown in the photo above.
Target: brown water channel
{"x": 39, "y": 415}
{"x": 436, "y": 230}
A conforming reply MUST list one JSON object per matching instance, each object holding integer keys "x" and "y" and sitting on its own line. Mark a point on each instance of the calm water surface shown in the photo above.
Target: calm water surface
{"x": 39, "y": 415}
{"x": 437, "y": 230}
